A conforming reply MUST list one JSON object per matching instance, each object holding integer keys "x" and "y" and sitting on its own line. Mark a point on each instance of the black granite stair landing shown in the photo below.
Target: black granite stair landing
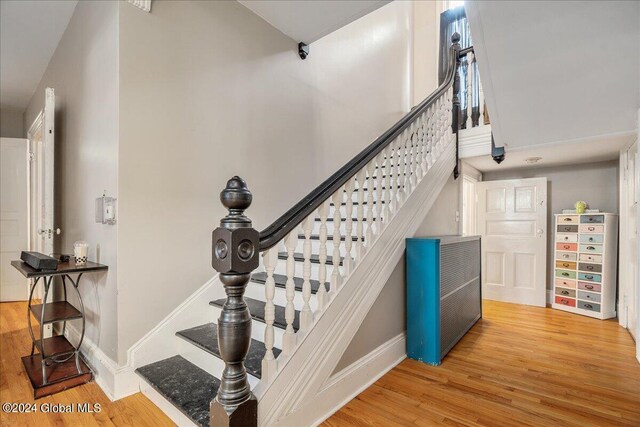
{"x": 186, "y": 386}
{"x": 281, "y": 281}
{"x": 206, "y": 337}
{"x": 315, "y": 259}
{"x": 257, "y": 312}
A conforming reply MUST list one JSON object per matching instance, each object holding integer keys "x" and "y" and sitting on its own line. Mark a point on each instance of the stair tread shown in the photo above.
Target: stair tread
{"x": 186, "y": 386}
{"x": 315, "y": 259}
{"x": 257, "y": 312}
{"x": 281, "y": 281}
{"x": 206, "y": 337}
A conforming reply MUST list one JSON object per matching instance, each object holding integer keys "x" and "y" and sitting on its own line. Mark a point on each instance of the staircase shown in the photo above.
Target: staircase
{"x": 323, "y": 264}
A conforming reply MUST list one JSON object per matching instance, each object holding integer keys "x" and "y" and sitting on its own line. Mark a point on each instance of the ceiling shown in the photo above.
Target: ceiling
{"x": 29, "y": 34}
{"x": 557, "y": 71}
{"x": 557, "y": 154}
{"x": 309, "y": 20}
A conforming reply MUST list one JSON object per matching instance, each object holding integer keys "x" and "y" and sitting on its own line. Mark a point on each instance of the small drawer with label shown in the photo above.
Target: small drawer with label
{"x": 567, "y": 256}
{"x": 567, "y": 246}
{"x": 564, "y": 228}
{"x": 565, "y": 274}
{"x": 565, "y": 301}
{"x": 592, "y": 228}
{"x": 596, "y": 268}
{"x": 571, "y": 293}
{"x": 566, "y": 283}
{"x": 566, "y": 237}
{"x": 593, "y": 287}
{"x": 591, "y": 248}
{"x": 571, "y": 265}
{"x": 589, "y": 296}
{"x": 587, "y": 305}
{"x": 592, "y": 219}
{"x": 591, "y": 238}
{"x": 568, "y": 219}
{"x": 591, "y": 258}
{"x": 590, "y": 277}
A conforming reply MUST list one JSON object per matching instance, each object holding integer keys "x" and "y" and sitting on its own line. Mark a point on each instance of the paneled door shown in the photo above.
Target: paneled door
{"x": 512, "y": 220}
{"x": 13, "y": 217}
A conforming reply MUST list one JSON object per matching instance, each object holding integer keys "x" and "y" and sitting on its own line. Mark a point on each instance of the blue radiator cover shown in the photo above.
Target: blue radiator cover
{"x": 424, "y": 299}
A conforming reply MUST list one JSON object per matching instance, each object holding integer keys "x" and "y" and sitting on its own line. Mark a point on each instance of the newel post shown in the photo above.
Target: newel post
{"x": 235, "y": 255}
{"x": 455, "y": 110}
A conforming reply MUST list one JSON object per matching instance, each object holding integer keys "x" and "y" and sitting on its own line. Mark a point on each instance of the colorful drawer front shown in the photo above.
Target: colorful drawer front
{"x": 565, "y": 274}
{"x": 564, "y": 228}
{"x": 587, "y": 305}
{"x": 589, "y": 248}
{"x": 566, "y": 237}
{"x": 593, "y": 287}
{"x": 591, "y": 258}
{"x": 566, "y": 264}
{"x": 568, "y": 219}
{"x": 595, "y": 268}
{"x": 592, "y": 228}
{"x": 567, "y": 256}
{"x": 567, "y": 246}
{"x": 592, "y": 219}
{"x": 571, "y": 293}
{"x": 590, "y": 277}
{"x": 591, "y": 238}
{"x": 566, "y": 283}
{"x": 565, "y": 301}
{"x": 588, "y": 296}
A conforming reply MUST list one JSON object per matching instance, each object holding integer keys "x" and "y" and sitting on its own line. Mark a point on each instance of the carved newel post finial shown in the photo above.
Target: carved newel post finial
{"x": 235, "y": 252}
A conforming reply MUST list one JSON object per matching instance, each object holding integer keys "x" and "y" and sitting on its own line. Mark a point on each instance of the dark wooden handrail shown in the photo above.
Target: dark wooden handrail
{"x": 271, "y": 235}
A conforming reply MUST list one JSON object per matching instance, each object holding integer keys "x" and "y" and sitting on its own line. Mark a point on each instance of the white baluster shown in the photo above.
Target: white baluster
{"x": 306, "y": 315}
{"x": 387, "y": 182}
{"x": 348, "y": 241}
{"x": 379, "y": 184}
{"x": 429, "y": 137}
{"x": 483, "y": 110}
{"x": 419, "y": 150}
{"x": 402, "y": 183}
{"x": 269, "y": 362}
{"x": 371, "y": 186}
{"x": 391, "y": 173}
{"x": 424, "y": 161}
{"x": 289, "y": 338}
{"x": 336, "y": 277}
{"x": 360, "y": 176}
{"x": 470, "y": 59}
{"x": 413, "y": 158}
{"x": 321, "y": 295}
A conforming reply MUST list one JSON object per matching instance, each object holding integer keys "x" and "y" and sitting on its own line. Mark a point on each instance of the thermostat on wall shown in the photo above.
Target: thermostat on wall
{"x": 106, "y": 210}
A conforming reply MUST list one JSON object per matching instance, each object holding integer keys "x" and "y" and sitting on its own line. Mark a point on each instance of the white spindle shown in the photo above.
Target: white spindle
{"x": 379, "y": 184}
{"x": 392, "y": 160}
{"x": 269, "y": 362}
{"x": 429, "y": 137}
{"x": 413, "y": 149}
{"x": 306, "y": 315}
{"x": 321, "y": 295}
{"x": 360, "y": 176}
{"x": 481, "y": 106}
{"x": 336, "y": 277}
{"x": 371, "y": 187}
{"x": 419, "y": 149}
{"x": 402, "y": 182}
{"x": 348, "y": 241}
{"x": 424, "y": 163}
{"x": 470, "y": 59}
{"x": 387, "y": 182}
{"x": 289, "y": 338}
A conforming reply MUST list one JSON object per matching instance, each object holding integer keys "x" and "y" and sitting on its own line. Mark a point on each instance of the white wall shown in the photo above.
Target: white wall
{"x": 84, "y": 73}
{"x": 11, "y": 124}
{"x": 209, "y": 90}
{"x": 595, "y": 183}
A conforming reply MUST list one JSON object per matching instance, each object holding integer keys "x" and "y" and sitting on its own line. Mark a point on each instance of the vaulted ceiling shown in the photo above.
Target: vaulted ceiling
{"x": 558, "y": 71}
{"x": 29, "y": 34}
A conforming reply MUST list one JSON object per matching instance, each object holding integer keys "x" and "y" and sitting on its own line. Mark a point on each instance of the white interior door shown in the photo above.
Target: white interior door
{"x": 512, "y": 220}
{"x": 13, "y": 217}
{"x": 41, "y": 178}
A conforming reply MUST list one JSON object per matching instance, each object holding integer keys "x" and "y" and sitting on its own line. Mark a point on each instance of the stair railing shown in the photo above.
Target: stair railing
{"x": 383, "y": 176}
{"x": 476, "y": 114}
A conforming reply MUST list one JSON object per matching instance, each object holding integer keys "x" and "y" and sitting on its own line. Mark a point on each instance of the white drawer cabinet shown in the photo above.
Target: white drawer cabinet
{"x": 585, "y": 264}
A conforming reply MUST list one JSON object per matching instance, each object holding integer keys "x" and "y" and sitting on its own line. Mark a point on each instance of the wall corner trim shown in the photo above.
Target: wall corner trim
{"x": 142, "y": 4}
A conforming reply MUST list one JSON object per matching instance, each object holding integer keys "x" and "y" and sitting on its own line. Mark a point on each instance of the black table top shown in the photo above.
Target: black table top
{"x": 63, "y": 268}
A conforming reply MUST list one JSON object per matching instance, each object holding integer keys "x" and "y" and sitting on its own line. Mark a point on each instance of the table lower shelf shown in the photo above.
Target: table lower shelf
{"x": 60, "y": 376}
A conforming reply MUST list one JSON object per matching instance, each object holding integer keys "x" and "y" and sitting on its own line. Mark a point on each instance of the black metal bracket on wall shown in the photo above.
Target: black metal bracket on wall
{"x": 303, "y": 50}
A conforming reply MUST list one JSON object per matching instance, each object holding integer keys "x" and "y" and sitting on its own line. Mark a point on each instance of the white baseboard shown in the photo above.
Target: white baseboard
{"x": 165, "y": 406}
{"x": 349, "y": 382}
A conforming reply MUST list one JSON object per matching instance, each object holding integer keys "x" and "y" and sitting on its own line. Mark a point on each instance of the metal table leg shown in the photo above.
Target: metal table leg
{"x": 33, "y": 338}
{"x": 43, "y": 361}
{"x": 75, "y": 286}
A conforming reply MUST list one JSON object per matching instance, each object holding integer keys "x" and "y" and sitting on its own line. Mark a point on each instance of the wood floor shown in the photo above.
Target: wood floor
{"x": 15, "y": 342}
{"x": 517, "y": 366}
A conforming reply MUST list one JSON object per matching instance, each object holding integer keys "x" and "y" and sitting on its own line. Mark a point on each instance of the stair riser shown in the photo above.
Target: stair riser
{"x": 257, "y": 291}
{"x": 257, "y": 329}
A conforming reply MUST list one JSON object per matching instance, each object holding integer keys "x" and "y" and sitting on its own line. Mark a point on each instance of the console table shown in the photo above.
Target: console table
{"x": 58, "y": 365}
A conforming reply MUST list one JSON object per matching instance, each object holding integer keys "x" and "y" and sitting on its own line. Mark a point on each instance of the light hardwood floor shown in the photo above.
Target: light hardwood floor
{"x": 135, "y": 410}
{"x": 518, "y": 366}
